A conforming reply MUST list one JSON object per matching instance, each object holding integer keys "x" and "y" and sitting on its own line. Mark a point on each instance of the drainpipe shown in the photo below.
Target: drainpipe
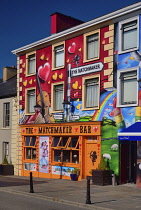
{"x": 68, "y": 93}
{"x": 18, "y": 106}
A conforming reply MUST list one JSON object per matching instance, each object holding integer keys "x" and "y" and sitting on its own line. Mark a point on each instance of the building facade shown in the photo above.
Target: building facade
{"x": 78, "y": 89}
{"x": 8, "y": 115}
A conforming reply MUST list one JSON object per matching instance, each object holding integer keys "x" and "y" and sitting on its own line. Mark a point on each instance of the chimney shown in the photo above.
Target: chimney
{"x": 60, "y": 22}
{"x": 9, "y": 72}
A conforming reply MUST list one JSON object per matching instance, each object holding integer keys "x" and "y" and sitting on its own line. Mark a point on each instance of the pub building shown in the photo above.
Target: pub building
{"x": 78, "y": 90}
{"x": 53, "y": 150}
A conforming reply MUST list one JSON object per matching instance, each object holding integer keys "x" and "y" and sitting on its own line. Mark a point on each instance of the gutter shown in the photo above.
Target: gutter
{"x": 107, "y": 17}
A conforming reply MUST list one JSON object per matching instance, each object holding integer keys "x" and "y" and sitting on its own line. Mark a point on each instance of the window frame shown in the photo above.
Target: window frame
{"x": 85, "y": 55}
{"x": 27, "y": 63}
{"x": 67, "y": 147}
{"x": 120, "y": 51}
{"x": 5, "y": 149}
{"x": 53, "y": 96}
{"x": 84, "y": 92}
{"x": 25, "y": 147}
{"x": 54, "y": 55}
{"x": 119, "y": 86}
{"x": 26, "y": 101}
{"x": 5, "y": 115}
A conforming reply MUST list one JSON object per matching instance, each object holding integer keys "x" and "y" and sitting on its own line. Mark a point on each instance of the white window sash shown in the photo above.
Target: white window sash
{"x": 31, "y": 101}
{"x": 92, "y": 94}
{"x": 92, "y": 46}
{"x": 58, "y": 97}
{"x": 31, "y": 65}
{"x": 59, "y": 56}
{"x": 128, "y": 88}
{"x": 129, "y": 34}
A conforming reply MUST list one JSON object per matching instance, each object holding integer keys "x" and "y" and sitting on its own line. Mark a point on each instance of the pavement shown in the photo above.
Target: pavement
{"x": 126, "y": 196}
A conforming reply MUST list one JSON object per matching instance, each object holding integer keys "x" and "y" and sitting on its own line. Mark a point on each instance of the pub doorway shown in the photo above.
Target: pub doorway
{"x": 128, "y": 161}
{"x": 92, "y": 151}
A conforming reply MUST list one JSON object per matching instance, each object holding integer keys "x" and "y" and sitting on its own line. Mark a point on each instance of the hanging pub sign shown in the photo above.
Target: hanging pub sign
{"x": 87, "y": 69}
{"x": 64, "y": 129}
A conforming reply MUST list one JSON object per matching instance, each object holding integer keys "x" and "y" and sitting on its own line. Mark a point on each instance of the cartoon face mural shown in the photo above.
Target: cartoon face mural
{"x": 93, "y": 156}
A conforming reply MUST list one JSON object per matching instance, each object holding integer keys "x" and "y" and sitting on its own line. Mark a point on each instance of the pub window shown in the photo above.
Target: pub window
{"x": 57, "y": 97}
{"x": 30, "y": 101}
{"x": 127, "y": 91}
{"x": 58, "y": 55}
{"x": 90, "y": 93}
{"x": 128, "y": 35}
{"x": 30, "y": 64}
{"x": 65, "y": 149}
{"x": 30, "y": 147}
{"x": 91, "y": 45}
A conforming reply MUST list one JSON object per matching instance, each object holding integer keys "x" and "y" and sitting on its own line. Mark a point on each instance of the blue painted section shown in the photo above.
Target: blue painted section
{"x": 130, "y": 138}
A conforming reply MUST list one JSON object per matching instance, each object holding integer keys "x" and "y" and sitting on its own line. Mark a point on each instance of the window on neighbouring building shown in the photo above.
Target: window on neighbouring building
{"x": 128, "y": 34}
{"x": 65, "y": 149}
{"x": 58, "y": 55}
{"x": 5, "y": 149}
{"x": 127, "y": 87}
{"x": 30, "y": 64}
{"x": 6, "y": 115}
{"x": 91, "y": 46}
{"x": 58, "y": 95}
{"x": 30, "y": 100}
{"x": 90, "y": 93}
{"x": 30, "y": 147}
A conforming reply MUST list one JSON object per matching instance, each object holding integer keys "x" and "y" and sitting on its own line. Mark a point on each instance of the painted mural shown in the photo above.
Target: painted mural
{"x": 113, "y": 119}
{"x": 44, "y": 154}
{"x": 108, "y": 113}
{"x": 65, "y": 171}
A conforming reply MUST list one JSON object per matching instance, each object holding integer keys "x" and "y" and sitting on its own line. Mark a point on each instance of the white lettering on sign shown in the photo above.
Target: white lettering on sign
{"x": 87, "y": 69}
{"x": 58, "y": 116}
{"x": 75, "y": 117}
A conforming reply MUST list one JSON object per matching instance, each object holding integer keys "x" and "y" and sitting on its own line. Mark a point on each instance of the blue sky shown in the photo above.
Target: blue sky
{"x": 27, "y": 21}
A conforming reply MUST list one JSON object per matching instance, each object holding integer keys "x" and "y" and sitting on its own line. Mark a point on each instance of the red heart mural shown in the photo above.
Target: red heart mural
{"x": 76, "y": 130}
{"x": 43, "y": 71}
{"x": 95, "y": 129}
{"x": 35, "y": 130}
{"x": 76, "y": 95}
{"x": 71, "y": 49}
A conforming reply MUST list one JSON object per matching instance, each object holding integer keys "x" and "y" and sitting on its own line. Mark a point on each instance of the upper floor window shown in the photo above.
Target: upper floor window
{"x": 30, "y": 64}
{"x": 127, "y": 90}
{"x": 30, "y": 100}
{"x": 58, "y": 55}
{"x": 90, "y": 92}
{"x": 57, "y": 97}
{"x": 128, "y": 35}
{"x": 6, "y": 115}
{"x": 91, "y": 46}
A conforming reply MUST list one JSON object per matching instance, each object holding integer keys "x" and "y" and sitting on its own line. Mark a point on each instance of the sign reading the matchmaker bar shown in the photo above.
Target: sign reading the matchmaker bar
{"x": 87, "y": 69}
{"x": 62, "y": 130}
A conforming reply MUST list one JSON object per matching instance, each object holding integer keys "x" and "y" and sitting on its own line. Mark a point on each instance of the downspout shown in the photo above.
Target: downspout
{"x": 18, "y": 105}
{"x": 68, "y": 93}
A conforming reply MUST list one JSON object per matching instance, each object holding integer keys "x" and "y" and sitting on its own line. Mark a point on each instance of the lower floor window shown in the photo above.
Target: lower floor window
{"x": 30, "y": 147}
{"x": 65, "y": 149}
{"x": 5, "y": 149}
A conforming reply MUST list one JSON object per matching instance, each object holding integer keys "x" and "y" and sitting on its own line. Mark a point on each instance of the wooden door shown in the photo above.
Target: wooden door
{"x": 92, "y": 157}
